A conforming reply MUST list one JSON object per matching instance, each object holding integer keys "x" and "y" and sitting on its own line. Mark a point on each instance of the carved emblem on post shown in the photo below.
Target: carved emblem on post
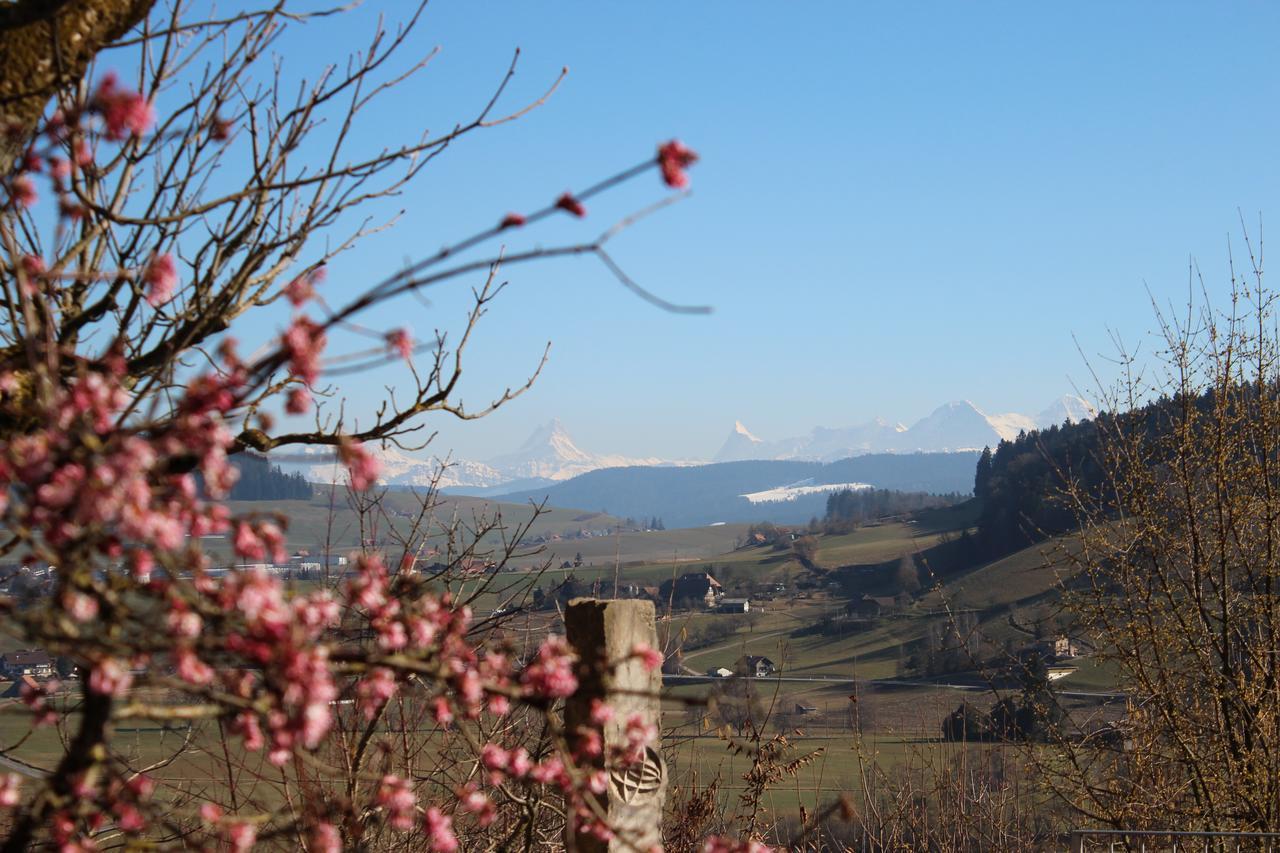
{"x": 603, "y": 633}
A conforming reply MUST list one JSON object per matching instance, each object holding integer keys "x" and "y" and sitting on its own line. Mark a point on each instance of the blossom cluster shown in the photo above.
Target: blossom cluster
{"x": 116, "y": 483}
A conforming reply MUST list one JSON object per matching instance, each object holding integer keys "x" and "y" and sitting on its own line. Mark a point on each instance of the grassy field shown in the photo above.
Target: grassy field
{"x": 313, "y": 524}
{"x": 862, "y": 725}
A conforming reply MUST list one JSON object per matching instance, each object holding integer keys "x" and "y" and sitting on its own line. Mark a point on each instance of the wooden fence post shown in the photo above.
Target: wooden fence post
{"x": 603, "y": 633}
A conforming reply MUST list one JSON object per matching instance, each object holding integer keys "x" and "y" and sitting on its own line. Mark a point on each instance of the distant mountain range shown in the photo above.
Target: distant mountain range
{"x": 951, "y": 427}
{"x": 549, "y": 455}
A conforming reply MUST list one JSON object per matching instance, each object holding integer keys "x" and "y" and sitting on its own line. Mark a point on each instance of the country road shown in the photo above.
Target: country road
{"x": 887, "y": 682}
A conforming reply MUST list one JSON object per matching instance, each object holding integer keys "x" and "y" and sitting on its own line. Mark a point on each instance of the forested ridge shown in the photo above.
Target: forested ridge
{"x": 262, "y": 481}
{"x": 1020, "y": 485}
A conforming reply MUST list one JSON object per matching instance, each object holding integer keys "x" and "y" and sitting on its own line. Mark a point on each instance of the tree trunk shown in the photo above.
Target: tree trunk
{"x": 47, "y": 44}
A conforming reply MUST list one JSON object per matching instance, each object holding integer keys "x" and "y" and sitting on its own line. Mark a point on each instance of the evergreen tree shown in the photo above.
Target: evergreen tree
{"x": 982, "y": 478}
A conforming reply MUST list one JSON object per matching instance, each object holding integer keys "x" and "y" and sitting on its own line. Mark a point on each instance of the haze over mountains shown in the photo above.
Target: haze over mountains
{"x": 549, "y": 455}
{"x": 951, "y": 427}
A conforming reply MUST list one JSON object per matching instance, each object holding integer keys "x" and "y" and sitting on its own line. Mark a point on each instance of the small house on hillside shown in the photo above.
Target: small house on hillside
{"x": 734, "y": 605}
{"x": 754, "y": 666}
{"x": 868, "y": 606}
{"x": 1064, "y": 647}
{"x": 1049, "y": 651}
{"x": 692, "y": 586}
{"x": 805, "y": 710}
{"x": 33, "y": 662}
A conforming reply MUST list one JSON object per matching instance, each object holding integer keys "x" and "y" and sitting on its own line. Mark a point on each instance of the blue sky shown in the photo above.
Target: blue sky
{"x": 898, "y": 205}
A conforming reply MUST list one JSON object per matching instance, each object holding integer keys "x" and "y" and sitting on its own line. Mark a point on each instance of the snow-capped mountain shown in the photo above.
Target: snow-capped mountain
{"x": 548, "y": 455}
{"x": 958, "y": 425}
{"x": 320, "y": 465}
{"x": 822, "y": 443}
{"x": 740, "y": 444}
{"x": 1066, "y": 408}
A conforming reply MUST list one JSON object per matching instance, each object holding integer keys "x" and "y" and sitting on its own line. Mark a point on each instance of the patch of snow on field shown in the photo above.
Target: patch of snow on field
{"x": 799, "y": 490}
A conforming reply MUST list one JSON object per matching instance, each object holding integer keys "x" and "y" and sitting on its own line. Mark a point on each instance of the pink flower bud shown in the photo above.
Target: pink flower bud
{"x": 569, "y": 204}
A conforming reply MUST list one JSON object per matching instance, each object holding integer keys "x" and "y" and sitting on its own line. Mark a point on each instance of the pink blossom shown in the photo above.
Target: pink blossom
{"x": 375, "y": 689}
{"x": 493, "y": 757}
{"x": 673, "y": 159}
{"x": 242, "y": 836}
{"x": 550, "y": 674}
{"x": 300, "y": 290}
{"x": 361, "y": 465}
{"x": 161, "y": 277}
{"x": 398, "y": 800}
{"x": 548, "y": 771}
{"x": 589, "y": 744}
{"x": 471, "y": 799}
{"x": 273, "y": 541}
{"x": 303, "y": 342}
{"x": 184, "y": 623}
{"x": 441, "y": 711}
{"x": 59, "y": 168}
{"x": 601, "y": 712}
{"x": 401, "y": 342}
{"x": 121, "y": 109}
{"x": 193, "y": 670}
{"x": 110, "y": 677}
{"x": 79, "y": 606}
{"x": 520, "y": 763}
{"x": 512, "y": 220}
{"x": 439, "y": 828}
{"x": 84, "y": 155}
{"x": 649, "y": 656}
{"x": 640, "y": 733}
{"x": 368, "y": 588}
{"x": 247, "y": 543}
{"x": 316, "y": 611}
{"x": 128, "y": 818}
{"x": 298, "y": 402}
{"x": 391, "y": 634}
{"x": 325, "y": 838}
{"x": 33, "y": 270}
{"x": 210, "y": 812}
{"x": 10, "y": 793}
{"x": 246, "y": 725}
{"x": 569, "y": 204}
{"x": 22, "y": 191}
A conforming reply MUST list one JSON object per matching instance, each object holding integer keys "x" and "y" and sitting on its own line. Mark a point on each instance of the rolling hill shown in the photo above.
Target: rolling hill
{"x": 706, "y": 494}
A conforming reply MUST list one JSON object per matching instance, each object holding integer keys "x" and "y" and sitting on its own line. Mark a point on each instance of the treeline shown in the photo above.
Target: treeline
{"x": 851, "y": 508}
{"x": 1019, "y": 485}
{"x": 262, "y": 481}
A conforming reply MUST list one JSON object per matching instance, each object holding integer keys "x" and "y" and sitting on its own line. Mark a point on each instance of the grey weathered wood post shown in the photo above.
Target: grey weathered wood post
{"x": 603, "y": 634}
